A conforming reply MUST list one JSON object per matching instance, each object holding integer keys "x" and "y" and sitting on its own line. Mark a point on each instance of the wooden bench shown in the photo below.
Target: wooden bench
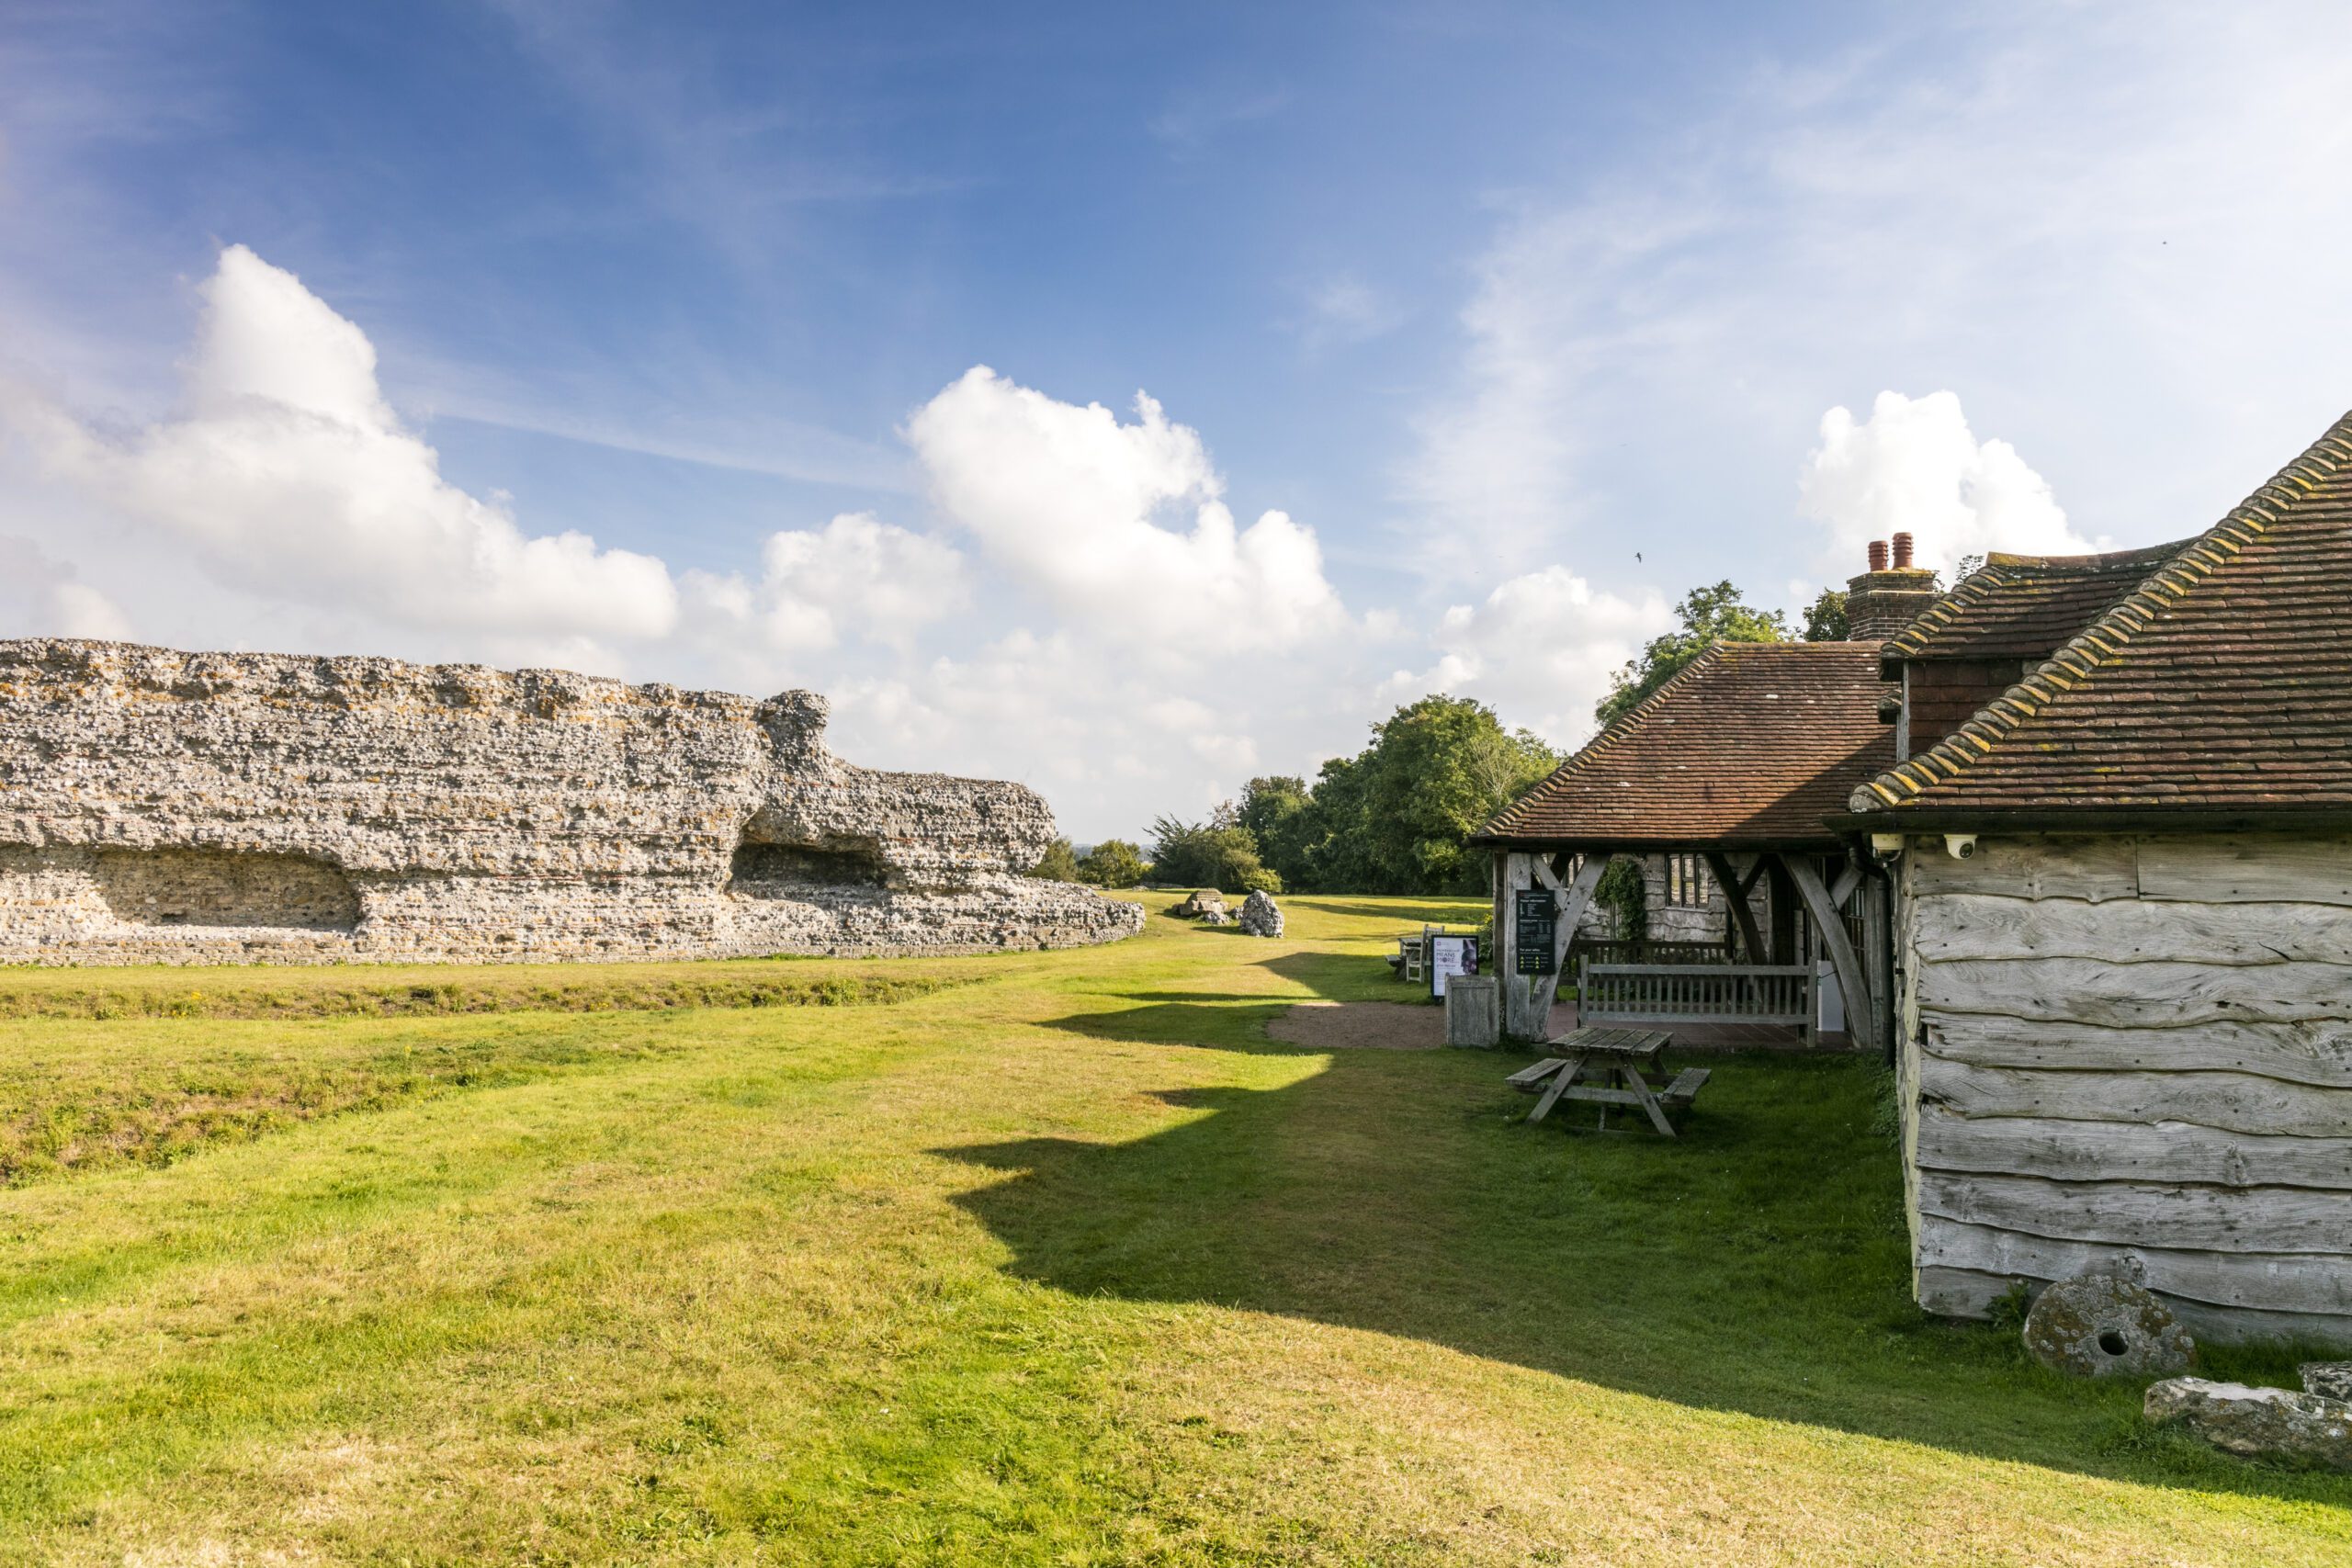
{"x": 1616, "y": 1061}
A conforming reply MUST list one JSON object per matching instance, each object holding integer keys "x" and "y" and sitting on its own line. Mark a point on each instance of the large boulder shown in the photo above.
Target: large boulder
{"x": 2255, "y": 1422}
{"x": 2106, "y": 1323}
{"x": 1261, "y": 916}
{"x": 1201, "y": 901}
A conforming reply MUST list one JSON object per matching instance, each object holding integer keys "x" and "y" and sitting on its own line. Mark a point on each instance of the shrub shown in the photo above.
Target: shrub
{"x": 1058, "y": 864}
{"x": 1113, "y": 863}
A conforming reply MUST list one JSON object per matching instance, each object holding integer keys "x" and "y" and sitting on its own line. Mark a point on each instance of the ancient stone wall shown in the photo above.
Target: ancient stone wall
{"x": 158, "y": 806}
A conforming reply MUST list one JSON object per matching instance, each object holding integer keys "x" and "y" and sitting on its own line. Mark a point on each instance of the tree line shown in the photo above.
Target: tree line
{"x": 1396, "y": 816}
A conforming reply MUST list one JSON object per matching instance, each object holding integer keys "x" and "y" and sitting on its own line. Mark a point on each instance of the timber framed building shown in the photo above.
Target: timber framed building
{"x": 2108, "y": 830}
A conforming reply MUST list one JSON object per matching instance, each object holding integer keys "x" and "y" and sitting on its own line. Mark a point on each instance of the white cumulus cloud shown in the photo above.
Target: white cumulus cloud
{"x": 1540, "y": 649}
{"x": 44, "y": 595}
{"x": 857, "y": 576}
{"x": 1066, "y": 499}
{"x": 1913, "y": 466}
{"x": 288, "y": 475}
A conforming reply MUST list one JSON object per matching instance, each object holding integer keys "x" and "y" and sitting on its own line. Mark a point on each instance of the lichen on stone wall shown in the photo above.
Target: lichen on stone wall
{"x": 158, "y": 806}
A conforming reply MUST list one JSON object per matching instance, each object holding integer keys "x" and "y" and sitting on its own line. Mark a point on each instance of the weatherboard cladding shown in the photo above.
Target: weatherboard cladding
{"x": 1749, "y": 743}
{"x": 2223, "y": 681}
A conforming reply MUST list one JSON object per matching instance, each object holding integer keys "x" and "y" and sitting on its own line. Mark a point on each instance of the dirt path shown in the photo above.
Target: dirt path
{"x": 1361, "y": 1026}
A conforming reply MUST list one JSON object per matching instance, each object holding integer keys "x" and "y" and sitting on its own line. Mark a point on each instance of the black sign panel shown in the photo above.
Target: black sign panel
{"x": 1535, "y": 926}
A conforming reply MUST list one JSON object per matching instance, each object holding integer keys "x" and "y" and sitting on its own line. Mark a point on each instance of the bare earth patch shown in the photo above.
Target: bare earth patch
{"x": 1361, "y": 1026}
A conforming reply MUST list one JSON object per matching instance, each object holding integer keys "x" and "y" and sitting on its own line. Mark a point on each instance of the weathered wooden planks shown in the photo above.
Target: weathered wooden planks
{"x": 2127, "y": 1213}
{"x": 2091, "y": 869}
{"x": 2274, "y": 1282}
{"x": 2128, "y": 996}
{"x": 2235, "y": 1102}
{"x": 2137, "y": 1047}
{"x": 1964, "y": 1293}
{"x": 2310, "y": 1051}
{"x": 2216, "y": 868}
{"x": 1970, "y": 925}
{"x": 2123, "y": 1151}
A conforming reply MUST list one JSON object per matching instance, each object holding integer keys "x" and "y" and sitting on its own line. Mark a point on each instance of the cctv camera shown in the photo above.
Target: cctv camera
{"x": 1959, "y": 846}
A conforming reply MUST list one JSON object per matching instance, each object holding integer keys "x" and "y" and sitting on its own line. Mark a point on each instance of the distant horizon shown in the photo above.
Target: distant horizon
{"x": 1127, "y": 404}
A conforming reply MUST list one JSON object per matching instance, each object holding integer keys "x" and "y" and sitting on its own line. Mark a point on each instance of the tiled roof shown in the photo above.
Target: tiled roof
{"x": 2024, "y": 606}
{"x": 1752, "y": 743}
{"x": 2222, "y": 682}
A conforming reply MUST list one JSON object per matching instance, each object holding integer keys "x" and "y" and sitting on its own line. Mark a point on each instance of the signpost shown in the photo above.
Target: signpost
{"x": 1535, "y": 929}
{"x": 1448, "y": 955}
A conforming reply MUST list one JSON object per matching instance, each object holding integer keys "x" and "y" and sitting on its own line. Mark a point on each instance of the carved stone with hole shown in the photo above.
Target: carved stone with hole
{"x": 2107, "y": 1323}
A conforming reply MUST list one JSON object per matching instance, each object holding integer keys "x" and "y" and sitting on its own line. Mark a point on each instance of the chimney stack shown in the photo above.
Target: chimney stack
{"x": 1885, "y": 599}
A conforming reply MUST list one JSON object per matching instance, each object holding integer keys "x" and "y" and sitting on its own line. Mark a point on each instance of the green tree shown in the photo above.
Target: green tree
{"x": 1217, "y": 854}
{"x": 1274, "y": 811}
{"x": 1825, "y": 619}
{"x": 1113, "y": 863}
{"x": 1708, "y": 616}
{"x": 1058, "y": 864}
{"x": 1395, "y": 818}
{"x": 1333, "y": 849}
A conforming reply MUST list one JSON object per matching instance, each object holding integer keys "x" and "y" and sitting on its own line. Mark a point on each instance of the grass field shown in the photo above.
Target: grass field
{"x": 1039, "y": 1259}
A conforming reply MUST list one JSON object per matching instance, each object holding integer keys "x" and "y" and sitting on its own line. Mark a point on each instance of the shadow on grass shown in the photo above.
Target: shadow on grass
{"x": 1757, "y": 1264}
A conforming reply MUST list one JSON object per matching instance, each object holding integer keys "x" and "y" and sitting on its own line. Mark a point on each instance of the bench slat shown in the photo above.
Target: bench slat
{"x": 1685, "y": 1087}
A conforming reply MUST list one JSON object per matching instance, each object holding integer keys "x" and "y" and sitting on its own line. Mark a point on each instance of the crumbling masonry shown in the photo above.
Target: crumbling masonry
{"x": 225, "y": 807}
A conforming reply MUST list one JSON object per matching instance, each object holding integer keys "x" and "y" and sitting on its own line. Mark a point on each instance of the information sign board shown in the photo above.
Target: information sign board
{"x": 1535, "y": 931}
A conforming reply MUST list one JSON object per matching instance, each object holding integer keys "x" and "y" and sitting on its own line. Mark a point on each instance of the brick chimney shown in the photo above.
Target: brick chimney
{"x": 1885, "y": 599}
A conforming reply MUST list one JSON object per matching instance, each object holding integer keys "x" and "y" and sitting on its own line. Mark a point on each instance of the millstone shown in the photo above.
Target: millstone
{"x": 2106, "y": 1324}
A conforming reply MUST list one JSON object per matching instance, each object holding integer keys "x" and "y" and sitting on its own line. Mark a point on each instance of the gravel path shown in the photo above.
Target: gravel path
{"x": 1361, "y": 1026}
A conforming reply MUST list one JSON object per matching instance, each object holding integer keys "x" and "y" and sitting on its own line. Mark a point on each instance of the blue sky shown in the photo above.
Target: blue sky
{"x": 644, "y": 339}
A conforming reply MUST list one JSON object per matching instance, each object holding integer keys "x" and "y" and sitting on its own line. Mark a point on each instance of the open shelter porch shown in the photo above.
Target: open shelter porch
{"x": 1758, "y": 986}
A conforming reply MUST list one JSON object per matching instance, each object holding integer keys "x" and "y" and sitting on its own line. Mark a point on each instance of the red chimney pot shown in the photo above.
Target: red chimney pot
{"x": 1878, "y": 555}
{"x": 1902, "y": 552}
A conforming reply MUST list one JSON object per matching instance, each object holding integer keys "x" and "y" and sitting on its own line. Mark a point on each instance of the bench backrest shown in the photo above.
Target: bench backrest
{"x": 1694, "y": 993}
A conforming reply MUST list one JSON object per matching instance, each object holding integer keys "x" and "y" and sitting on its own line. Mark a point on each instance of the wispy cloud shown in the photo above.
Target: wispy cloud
{"x": 2052, "y": 213}
{"x": 1197, "y": 116}
{"x": 1344, "y": 308}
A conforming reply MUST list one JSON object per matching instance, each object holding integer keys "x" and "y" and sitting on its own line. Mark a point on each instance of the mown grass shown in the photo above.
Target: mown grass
{"x": 1067, "y": 1264}
{"x": 409, "y": 991}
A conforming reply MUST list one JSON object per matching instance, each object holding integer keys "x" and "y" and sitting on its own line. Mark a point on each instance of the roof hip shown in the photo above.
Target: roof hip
{"x": 2105, "y": 637}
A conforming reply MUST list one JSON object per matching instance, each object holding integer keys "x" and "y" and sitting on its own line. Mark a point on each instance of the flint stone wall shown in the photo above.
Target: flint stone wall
{"x": 158, "y": 806}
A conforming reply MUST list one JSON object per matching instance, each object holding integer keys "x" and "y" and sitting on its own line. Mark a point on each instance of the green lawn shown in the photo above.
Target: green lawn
{"x": 1045, "y": 1258}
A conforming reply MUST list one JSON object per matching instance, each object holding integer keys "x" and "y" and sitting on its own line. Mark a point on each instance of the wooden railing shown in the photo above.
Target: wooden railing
{"x": 1694, "y": 993}
{"x": 1612, "y": 950}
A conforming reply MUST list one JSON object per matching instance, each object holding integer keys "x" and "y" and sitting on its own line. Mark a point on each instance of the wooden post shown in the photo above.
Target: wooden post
{"x": 1735, "y": 890}
{"x": 1784, "y": 910}
{"x": 1570, "y": 902}
{"x": 1877, "y": 912}
{"x": 1515, "y": 874}
{"x": 1861, "y": 1010}
{"x": 1498, "y": 962}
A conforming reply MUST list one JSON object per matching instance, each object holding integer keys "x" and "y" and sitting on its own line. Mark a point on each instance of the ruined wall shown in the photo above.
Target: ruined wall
{"x": 158, "y": 806}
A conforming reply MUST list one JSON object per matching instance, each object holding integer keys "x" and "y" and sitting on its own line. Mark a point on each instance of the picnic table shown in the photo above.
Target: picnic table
{"x": 1605, "y": 1067}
